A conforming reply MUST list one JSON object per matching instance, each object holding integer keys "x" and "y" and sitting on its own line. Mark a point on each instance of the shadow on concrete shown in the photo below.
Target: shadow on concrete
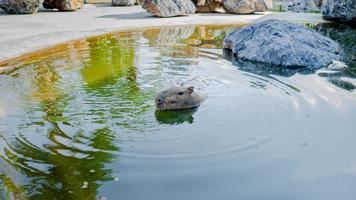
{"x": 128, "y": 16}
{"x": 217, "y": 14}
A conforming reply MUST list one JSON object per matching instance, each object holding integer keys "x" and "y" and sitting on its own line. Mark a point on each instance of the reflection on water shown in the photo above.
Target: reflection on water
{"x": 176, "y": 116}
{"x": 77, "y": 121}
{"x": 345, "y": 35}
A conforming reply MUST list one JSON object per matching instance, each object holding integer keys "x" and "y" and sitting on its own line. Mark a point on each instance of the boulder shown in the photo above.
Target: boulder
{"x": 169, "y": 8}
{"x": 318, "y": 3}
{"x": 303, "y": 6}
{"x": 209, "y": 6}
{"x": 63, "y": 5}
{"x": 239, "y": 6}
{"x": 20, "y": 6}
{"x": 123, "y": 2}
{"x": 339, "y": 10}
{"x": 263, "y": 5}
{"x": 278, "y": 42}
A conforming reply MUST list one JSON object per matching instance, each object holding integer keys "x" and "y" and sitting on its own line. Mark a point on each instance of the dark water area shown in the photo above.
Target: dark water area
{"x": 78, "y": 121}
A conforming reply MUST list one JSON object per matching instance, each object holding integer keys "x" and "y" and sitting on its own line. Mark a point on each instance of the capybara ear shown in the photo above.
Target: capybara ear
{"x": 191, "y": 89}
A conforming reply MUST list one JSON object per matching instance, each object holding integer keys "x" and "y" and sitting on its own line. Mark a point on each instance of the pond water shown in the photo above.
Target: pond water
{"x": 77, "y": 121}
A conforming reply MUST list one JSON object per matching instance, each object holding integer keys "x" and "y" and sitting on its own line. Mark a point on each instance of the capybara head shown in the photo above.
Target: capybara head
{"x": 178, "y": 97}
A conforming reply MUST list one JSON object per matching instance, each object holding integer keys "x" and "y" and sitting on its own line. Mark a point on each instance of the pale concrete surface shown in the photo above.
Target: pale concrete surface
{"x": 20, "y": 34}
{"x": 295, "y": 17}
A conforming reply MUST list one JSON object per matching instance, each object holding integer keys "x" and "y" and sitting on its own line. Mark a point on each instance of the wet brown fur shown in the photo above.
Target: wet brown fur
{"x": 179, "y": 97}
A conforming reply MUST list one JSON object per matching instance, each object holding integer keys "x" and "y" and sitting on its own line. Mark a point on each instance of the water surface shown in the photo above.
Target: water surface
{"x": 77, "y": 121}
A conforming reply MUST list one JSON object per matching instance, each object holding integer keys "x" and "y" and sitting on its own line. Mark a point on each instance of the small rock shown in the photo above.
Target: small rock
{"x": 20, "y": 6}
{"x": 209, "y": 6}
{"x": 169, "y": 8}
{"x": 63, "y": 5}
{"x": 318, "y": 3}
{"x": 337, "y": 65}
{"x": 116, "y": 179}
{"x": 263, "y": 5}
{"x": 239, "y": 6}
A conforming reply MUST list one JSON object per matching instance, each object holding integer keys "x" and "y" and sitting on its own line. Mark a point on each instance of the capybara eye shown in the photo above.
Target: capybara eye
{"x": 180, "y": 93}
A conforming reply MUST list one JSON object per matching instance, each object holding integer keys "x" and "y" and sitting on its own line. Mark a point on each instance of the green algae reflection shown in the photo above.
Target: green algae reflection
{"x": 72, "y": 103}
{"x": 70, "y": 164}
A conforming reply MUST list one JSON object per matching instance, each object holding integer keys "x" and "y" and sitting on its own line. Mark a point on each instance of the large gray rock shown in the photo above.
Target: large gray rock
{"x": 339, "y": 10}
{"x": 282, "y": 43}
{"x": 239, "y": 6}
{"x": 123, "y": 2}
{"x": 169, "y": 8}
{"x": 20, "y": 6}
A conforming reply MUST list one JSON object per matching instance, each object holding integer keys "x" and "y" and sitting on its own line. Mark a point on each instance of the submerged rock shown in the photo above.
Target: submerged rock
{"x": 339, "y": 10}
{"x": 123, "y": 2}
{"x": 169, "y": 8}
{"x": 20, "y": 6}
{"x": 63, "y": 5}
{"x": 284, "y": 44}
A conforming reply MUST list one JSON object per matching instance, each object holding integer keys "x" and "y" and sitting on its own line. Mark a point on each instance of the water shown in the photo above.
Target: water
{"x": 77, "y": 121}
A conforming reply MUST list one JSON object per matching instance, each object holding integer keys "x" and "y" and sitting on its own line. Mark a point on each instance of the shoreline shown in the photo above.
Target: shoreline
{"x": 22, "y": 34}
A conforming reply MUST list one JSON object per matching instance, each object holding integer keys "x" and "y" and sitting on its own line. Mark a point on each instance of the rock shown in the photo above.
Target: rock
{"x": 239, "y": 6}
{"x": 337, "y": 65}
{"x": 263, "y": 5}
{"x": 169, "y": 8}
{"x": 209, "y": 6}
{"x": 123, "y": 2}
{"x": 341, "y": 74}
{"x": 318, "y": 3}
{"x": 339, "y": 10}
{"x": 63, "y": 5}
{"x": 20, "y": 6}
{"x": 199, "y": 2}
{"x": 303, "y": 6}
{"x": 297, "y": 5}
{"x": 282, "y": 43}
